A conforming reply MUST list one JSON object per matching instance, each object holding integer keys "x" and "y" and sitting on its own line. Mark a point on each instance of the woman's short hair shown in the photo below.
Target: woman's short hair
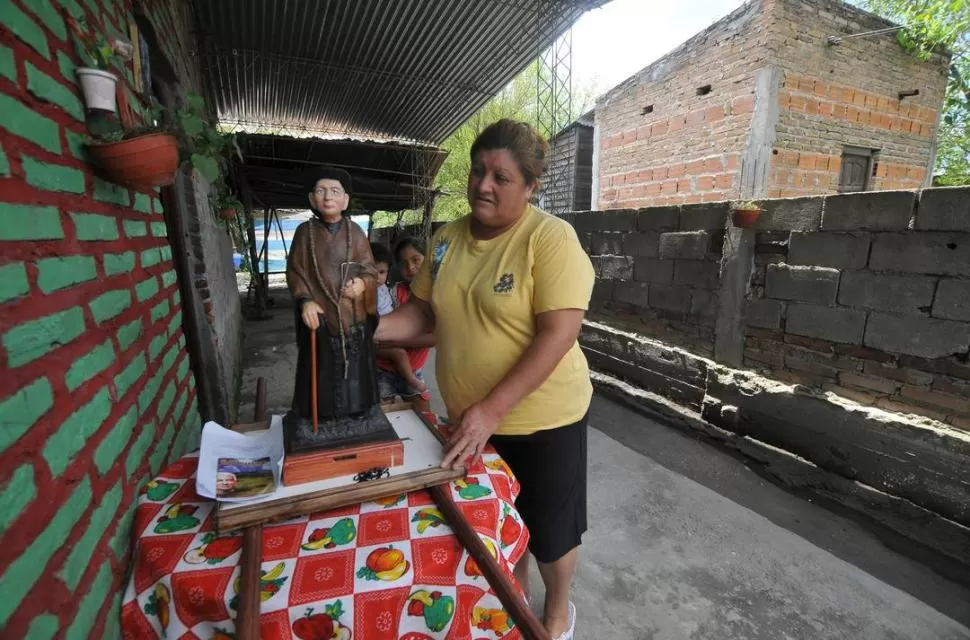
{"x": 528, "y": 148}
{"x": 405, "y": 242}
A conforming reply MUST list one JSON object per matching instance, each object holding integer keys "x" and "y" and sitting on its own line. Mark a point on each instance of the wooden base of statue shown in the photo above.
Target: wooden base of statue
{"x": 338, "y": 446}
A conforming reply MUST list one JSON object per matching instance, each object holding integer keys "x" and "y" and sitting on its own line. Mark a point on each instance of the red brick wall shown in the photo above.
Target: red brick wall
{"x": 847, "y": 94}
{"x": 688, "y": 149}
{"x": 95, "y": 388}
{"x": 691, "y": 148}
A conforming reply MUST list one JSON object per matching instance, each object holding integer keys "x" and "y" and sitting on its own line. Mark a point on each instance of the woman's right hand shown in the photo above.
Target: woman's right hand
{"x": 311, "y": 313}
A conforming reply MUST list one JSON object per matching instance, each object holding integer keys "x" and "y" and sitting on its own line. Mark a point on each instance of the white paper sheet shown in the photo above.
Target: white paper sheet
{"x": 220, "y": 443}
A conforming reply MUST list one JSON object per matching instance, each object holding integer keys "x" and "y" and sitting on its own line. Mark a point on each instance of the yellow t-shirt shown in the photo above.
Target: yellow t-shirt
{"x": 486, "y": 294}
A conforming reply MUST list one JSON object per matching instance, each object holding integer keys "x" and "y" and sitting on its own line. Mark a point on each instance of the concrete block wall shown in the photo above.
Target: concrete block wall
{"x": 870, "y": 301}
{"x": 863, "y": 295}
{"x": 848, "y": 94}
{"x": 96, "y": 392}
{"x": 658, "y": 268}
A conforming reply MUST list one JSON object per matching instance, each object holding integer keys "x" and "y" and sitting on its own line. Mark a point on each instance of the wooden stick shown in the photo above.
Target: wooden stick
{"x": 528, "y": 623}
{"x": 247, "y": 622}
{"x": 313, "y": 378}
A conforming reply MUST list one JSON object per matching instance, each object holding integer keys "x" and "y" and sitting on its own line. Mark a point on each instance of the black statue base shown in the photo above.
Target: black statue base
{"x": 369, "y": 427}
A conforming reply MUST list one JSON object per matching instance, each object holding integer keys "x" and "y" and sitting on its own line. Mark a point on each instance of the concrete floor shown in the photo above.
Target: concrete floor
{"x": 686, "y": 542}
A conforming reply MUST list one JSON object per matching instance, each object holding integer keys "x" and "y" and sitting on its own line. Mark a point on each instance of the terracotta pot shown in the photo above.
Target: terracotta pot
{"x": 228, "y": 213}
{"x": 745, "y": 218}
{"x": 142, "y": 162}
{"x": 98, "y": 88}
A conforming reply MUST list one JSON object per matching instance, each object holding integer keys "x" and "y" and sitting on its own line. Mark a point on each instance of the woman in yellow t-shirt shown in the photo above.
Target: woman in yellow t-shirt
{"x": 505, "y": 289}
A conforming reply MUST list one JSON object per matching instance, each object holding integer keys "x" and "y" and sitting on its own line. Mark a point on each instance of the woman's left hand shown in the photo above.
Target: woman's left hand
{"x": 474, "y": 428}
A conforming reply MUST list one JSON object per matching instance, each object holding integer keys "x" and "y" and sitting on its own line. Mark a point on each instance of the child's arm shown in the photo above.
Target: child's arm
{"x": 402, "y": 364}
{"x": 424, "y": 341}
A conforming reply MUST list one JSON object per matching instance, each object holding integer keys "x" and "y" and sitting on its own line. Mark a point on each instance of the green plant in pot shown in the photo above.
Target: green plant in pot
{"x": 229, "y": 207}
{"x": 149, "y": 156}
{"x": 745, "y": 213}
{"x": 97, "y": 77}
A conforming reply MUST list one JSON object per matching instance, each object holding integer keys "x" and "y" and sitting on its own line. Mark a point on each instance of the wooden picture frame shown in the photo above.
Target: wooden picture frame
{"x": 238, "y": 516}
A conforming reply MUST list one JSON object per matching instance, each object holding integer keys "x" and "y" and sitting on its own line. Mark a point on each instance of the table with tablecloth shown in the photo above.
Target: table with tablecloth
{"x": 385, "y": 569}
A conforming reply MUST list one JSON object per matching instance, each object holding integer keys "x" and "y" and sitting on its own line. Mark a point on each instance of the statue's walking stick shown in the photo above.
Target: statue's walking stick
{"x": 313, "y": 378}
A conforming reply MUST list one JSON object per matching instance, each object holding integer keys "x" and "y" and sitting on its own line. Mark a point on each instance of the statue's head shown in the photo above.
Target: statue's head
{"x": 330, "y": 192}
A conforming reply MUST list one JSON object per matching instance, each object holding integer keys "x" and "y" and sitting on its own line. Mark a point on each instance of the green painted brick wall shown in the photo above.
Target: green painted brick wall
{"x": 21, "y": 120}
{"x": 137, "y": 452}
{"x": 159, "y": 229}
{"x": 143, "y": 203}
{"x": 28, "y": 341}
{"x": 110, "y": 304}
{"x": 115, "y": 442}
{"x": 121, "y": 538}
{"x": 165, "y": 402}
{"x": 50, "y": 90}
{"x": 168, "y": 278}
{"x": 160, "y": 311}
{"x": 128, "y": 334}
{"x": 115, "y": 263}
{"x": 24, "y": 27}
{"x": 150, "y": 257}
{"x": 76, "y": 145}
{"x": 130, "y": 375}
{"x": 60, "y": 273}
{"x": 83, "y": 549}
{"x": 134, "y": 228}
{"x": 13, "y": 281}
{"x": 17, "y": 493}
{"x": 29, "y": 222}
{"x": 94, "y": 226}
{"x": 8, "y": 64}
{"x": 87, "y": 613}
{"x": 29, "y": 566}
{"x": 50, "y": 16}
{"x": 146, "y": 289}
{"x": 90, "y": 365}
{"x": 73, "y": 434}
{"x": 156, "y": 346}
{"x": 175, "y": 323}
{"x": 160, "y": 450}
{"x": 52, "y": 177}
{"x": 4, "y": 163}
{"x": 24, "y": 408}
{"x": 43, "y": 627}
{"x": 67, "y": 66}
{"x": 111, "y": 193}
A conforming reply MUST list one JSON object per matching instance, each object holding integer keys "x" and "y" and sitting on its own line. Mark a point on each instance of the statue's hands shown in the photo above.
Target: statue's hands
{"x": 354, "y": 289}
{"x": 311, "y": 313}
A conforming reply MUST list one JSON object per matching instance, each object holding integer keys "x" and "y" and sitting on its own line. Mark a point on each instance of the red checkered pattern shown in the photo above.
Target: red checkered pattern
{"x": 385, "y": 569}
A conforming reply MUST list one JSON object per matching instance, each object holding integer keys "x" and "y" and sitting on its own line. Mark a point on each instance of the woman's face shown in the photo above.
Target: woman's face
{"x": 410, "y": 259}
{"x": 497, "y": 190}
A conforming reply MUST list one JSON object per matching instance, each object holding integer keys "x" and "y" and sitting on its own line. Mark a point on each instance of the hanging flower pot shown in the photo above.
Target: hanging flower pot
{"x": 98, "y": 87}
{"x": 142, "y": 162}
{"x": 228, "y": 213}
{"x": 745, "y": 214}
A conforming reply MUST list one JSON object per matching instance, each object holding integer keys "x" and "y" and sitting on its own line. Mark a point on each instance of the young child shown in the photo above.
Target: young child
{"x": 397, "y": 377}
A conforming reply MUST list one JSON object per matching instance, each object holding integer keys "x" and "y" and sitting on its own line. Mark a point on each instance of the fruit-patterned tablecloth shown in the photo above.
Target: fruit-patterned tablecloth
{"x": 385, "y": 569}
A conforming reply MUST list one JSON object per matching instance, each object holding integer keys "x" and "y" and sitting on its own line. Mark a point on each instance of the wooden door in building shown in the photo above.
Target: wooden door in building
{"x": 856, "y": 169}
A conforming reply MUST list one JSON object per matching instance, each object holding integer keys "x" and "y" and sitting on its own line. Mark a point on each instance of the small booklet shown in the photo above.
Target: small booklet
{"x": 236, "y": 467}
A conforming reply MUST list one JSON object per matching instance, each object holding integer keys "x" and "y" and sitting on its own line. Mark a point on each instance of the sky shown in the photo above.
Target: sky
{"x": 612, "y": 43}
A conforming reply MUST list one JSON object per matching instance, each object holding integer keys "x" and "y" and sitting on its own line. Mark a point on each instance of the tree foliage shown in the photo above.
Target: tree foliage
{"x": 517, "y": 101}
{"x": 932, "y": 26}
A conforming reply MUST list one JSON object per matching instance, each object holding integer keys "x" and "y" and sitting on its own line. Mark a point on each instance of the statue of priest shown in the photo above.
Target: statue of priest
{"x": 331, "y": 275}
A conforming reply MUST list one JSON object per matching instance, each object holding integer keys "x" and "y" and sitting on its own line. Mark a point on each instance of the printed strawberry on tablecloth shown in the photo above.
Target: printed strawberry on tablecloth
{"x": 385, "y": 569}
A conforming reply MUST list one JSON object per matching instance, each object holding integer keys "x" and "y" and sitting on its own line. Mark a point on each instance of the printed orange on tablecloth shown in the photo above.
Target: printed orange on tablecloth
{"x": 391, "y": 568}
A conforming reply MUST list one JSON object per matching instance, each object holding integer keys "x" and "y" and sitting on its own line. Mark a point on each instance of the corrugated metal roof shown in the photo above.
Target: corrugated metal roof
{"x": 387, "y": 176}
{"x": 374, "y": 69}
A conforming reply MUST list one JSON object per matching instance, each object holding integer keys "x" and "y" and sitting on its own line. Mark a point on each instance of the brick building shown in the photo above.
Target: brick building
{"x": 761, "y": 104}
{"x": 110, "y": 300}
